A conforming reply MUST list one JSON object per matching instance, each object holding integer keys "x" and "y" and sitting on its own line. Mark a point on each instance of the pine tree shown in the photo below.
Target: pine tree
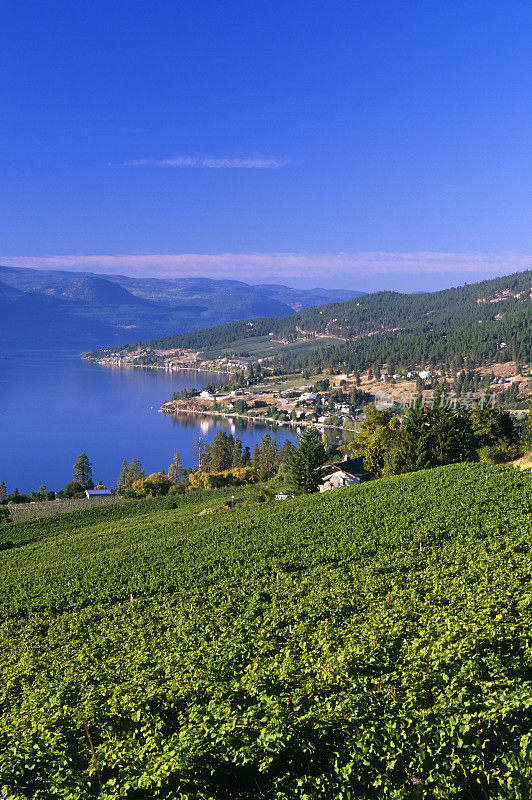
{"x": 432, "y": 437}
{"x": 267, "y": 456}
{"x": 236, "y": 460}
{"x": 246, "y": 457}
{"x": 3, "y": 492}
{"x": 255, "y": 457}
{"x": 175, "y": 469}
{"x": 307, "y": 460}
{"x": 219, "y": 454}
{"x": 83, "y": 471}
{"x": 122, "y": 478}
{"x": 286, "y": 451}
{"x": 134, "y": 473}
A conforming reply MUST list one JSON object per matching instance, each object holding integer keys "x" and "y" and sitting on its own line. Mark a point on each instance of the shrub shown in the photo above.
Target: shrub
{"x": 154, "y": 485}
{"x": 238, "y": 476}
{"x": 7, "y": 544}
{"x": 499, "y": 454}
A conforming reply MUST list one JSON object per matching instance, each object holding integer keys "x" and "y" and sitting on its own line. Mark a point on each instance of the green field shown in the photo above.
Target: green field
{"x": 374, "y": 642}
{"x": 265, "y": 347}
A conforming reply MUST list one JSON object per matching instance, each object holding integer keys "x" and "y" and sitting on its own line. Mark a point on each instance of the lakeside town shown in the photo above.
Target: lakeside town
{"x": 323, "y": 400}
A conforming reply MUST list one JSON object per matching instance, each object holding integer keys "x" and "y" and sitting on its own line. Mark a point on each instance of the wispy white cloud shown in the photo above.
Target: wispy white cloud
{"x": 372, "y": 268}
{"x": 211, "y": 162}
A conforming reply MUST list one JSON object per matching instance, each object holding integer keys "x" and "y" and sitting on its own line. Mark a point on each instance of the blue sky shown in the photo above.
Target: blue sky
{"x": 365, "y": 144}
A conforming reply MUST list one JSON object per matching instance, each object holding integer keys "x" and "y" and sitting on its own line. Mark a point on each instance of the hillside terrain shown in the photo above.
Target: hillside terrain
{"x": 471, "y": 324}
{"x": 374, "y": 642}
{"x": 29, "y": 319}
{"x": 98, "y": 290}
{"x": 114, "y": 309}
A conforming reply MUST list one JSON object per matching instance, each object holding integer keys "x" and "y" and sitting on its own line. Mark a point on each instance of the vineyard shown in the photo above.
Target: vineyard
{"x": 374, "y": 642}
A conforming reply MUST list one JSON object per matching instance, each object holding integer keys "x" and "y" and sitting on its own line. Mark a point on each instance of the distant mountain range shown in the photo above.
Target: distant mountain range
{"x": 48, "y": 308}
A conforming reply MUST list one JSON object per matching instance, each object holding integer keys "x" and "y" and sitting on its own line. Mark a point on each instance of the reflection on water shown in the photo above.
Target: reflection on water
{"x": 208, "y": 424}
{"x": 54, "y": 406}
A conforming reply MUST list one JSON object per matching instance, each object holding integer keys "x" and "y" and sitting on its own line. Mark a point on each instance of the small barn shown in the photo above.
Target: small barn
{"x": 91, "y": 494}
{"x": 343, "y": 473}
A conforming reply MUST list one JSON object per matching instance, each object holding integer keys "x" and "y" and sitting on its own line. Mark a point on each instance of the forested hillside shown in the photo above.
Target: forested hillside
{"x": 484, "y": 321}
{"x": 372, "y": 643}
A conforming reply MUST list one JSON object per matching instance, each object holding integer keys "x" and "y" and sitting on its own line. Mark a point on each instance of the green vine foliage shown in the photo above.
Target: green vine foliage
{"x": 371, "y": 643}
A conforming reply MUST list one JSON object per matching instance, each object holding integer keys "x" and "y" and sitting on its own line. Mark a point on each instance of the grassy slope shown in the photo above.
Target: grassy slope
{"x": 305, "y": 649}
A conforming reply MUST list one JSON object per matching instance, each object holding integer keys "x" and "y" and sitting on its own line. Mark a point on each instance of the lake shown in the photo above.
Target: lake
{"x": 54, "y": 406}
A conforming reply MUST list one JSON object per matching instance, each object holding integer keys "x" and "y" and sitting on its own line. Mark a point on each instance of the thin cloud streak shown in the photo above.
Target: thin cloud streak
{"x": 286, "y": 266}
{"x": 210, "y": 162}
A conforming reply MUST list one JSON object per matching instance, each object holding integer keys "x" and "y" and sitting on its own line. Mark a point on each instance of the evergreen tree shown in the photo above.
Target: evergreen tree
{"x": 175, "y": 469}
{"x": 134, "y": 473}
{"x": 219, "y": 453}
{"x": 255, "y": 458}
{"x": 528, "y": 423}
{"x": 307, "y": 460}
{"x": 267, "y": 456}
{"x": 246, "y": 457}
{"x": 3, "y": 492}
{"x": 122, "y": 478}
{"x": 236, "y": 460}
{"x": 492, "y": 426}
{"x": 432, "y": 437}
{"x": 83, "y": 471}
{"x": 286, "y": 451}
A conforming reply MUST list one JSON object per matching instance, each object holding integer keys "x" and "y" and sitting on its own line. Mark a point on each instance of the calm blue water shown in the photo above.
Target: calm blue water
{"x": 54, "y": 406}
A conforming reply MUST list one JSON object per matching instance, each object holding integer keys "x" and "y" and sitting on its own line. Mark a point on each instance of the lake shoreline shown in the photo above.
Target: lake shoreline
{"x": 165, "y": 409}
{"x": 56, "y": 405}
{"x": 163, "y": 368}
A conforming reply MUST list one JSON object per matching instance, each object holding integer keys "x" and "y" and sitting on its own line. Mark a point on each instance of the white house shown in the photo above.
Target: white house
{"x": 343, "y": 473}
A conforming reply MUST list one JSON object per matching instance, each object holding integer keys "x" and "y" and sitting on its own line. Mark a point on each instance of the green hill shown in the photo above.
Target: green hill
{"x": 375, "y": 642}
{"x": 466, "y": 323}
